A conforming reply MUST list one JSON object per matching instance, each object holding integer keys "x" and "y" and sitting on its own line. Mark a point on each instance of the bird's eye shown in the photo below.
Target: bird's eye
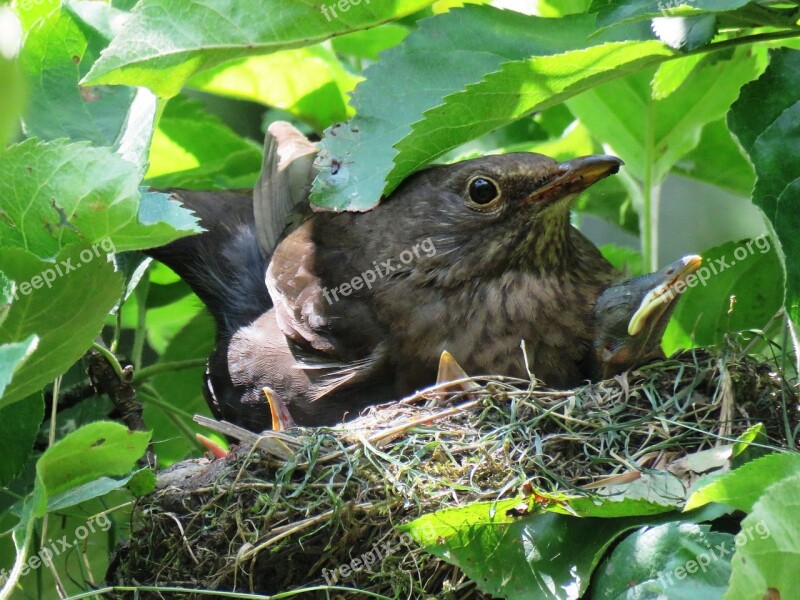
{"x": 482, "y": 191}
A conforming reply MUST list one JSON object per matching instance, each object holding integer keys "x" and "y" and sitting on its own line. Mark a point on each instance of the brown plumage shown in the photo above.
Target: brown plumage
{"x": 470, "y": 258}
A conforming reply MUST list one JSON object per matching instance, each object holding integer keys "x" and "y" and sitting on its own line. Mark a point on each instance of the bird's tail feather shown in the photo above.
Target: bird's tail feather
{"x": 224, "y": 265}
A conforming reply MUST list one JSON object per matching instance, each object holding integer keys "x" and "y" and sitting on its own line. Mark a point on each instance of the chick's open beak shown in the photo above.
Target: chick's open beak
{"x": 664, "y": 293}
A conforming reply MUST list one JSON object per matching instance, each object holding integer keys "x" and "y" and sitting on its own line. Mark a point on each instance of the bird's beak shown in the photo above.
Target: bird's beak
{"x": 663, "y": 293}
{"x": 574, "y": 176}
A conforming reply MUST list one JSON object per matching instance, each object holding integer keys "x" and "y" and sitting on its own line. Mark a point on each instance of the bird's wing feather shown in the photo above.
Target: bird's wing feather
{"x": 284, "y": 183}
{"x": 313, "y": 322}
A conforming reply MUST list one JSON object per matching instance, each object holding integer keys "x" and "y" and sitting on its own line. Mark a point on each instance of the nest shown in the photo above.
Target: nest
{"x": 287, "y": 511}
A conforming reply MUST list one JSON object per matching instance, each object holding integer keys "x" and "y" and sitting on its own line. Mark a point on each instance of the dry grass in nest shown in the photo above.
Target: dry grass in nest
{"x": 271, "y": 517}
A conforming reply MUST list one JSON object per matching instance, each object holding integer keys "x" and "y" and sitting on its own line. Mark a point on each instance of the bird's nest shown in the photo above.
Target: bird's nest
{"x": 279, "y": 515}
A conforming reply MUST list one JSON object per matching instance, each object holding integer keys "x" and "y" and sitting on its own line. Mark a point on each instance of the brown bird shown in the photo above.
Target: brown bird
{"x": 470, "y": 258}
{"x": 631, "y": 317}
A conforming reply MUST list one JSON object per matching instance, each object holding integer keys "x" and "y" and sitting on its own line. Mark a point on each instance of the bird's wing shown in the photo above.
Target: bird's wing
{"x": 337, "y": 343}
{"x": 285, "y": 181}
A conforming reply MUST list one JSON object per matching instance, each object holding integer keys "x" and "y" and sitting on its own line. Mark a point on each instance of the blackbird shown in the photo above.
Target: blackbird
{"x": 631, "y": 317}
{"x": 337, "y": 311}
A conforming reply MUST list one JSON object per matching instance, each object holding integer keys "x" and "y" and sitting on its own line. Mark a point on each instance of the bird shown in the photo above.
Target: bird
{"x": 631, "y": 316}
{"x": 329, "y": 312}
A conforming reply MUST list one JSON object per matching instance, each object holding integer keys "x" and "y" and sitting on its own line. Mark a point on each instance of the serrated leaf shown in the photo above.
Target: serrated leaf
{"x": 95, "y": 450}
{"x": 58, "y": 51}
{"x": 742, "y": 487}
{"x": 57, "y": 193}
{"x": 768, "y": 546}
{"x": 19, "y": 425}
{"x": 766, "y": 120}
{"x": 750, "y": 272}
{"x": 66, "y": 311}
{"x": 685, "y": 33}
{"x": 309, "y": 83}
{"x": 655, "y": 134}
{"x": 454, "y": 100}
{"x": 668, "y": 561}
{"x": 612, "y": 12}
{"x": 164, "y": 43}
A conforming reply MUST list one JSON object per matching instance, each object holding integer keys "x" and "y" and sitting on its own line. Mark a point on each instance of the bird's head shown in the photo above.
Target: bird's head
{"x": 630, "y": 316}
{"x": 495, "y": 212}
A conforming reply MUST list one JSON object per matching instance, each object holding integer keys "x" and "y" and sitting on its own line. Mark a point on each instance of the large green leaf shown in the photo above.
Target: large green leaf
{"x": 57, "y": 193}
{"x": 652, "y": 135}
{"x": 545, "y": 551}
{"x": 742, "y": 487}
{"x": 309, "y": 83}
{"x": 669, "y": 562}
{"x": 58, "y": 51}
{"x": 63, "y": 302}
{"x": 768, "y": 546}
{"x": 400, "y": 128}
{"x": 766, "y": 120}
{"x": 164, "y": 43}
{"x": 739, "y": 287}
{"x": 95, "y": 450}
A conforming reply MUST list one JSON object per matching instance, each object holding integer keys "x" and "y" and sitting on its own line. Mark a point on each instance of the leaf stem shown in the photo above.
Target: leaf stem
{"x": 167, "y": 367}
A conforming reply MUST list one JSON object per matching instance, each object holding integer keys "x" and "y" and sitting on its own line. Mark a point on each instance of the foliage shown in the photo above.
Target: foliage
{"x": 103, "y": 99}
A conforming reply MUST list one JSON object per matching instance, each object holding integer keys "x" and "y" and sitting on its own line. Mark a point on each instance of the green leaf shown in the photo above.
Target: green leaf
{"x": 766, "y": 120}
{"x": 95, "y": 450}
{"x": 86, "y": 491}
{"x": 669, "y": 561}
{"x": 718, "y": 160}
{"x": 612, "y": 12}
{"x": 672, "y": 75}
{"x": 750, "y": 272}
{"x": 743, "y": 487}
{"x": 750, "y": 445}
{"x": 652, "y": 135}
{"x": 58, "y": 51}
{"x": 626, "y": 260}
{"x": 180, "y": 155}
{"x": 388, "y": 139}
{"x": 164, "y": 43}
{"x": 541, "y": 555}
{"x": 768, "y": 546}
{"x": 12, "y": 356}
{"x": 309, "y": 83}
{"x": 180, "y": 391}
{"x": 369, "y": 43}
{"x": 19, "y": 425}
{"x": 57, "y": 193}
{"x": 66, "y": 311}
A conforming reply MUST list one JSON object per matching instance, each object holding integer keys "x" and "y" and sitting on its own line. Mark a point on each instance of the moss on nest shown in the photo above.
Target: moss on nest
{"x": 277, "y": 516}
